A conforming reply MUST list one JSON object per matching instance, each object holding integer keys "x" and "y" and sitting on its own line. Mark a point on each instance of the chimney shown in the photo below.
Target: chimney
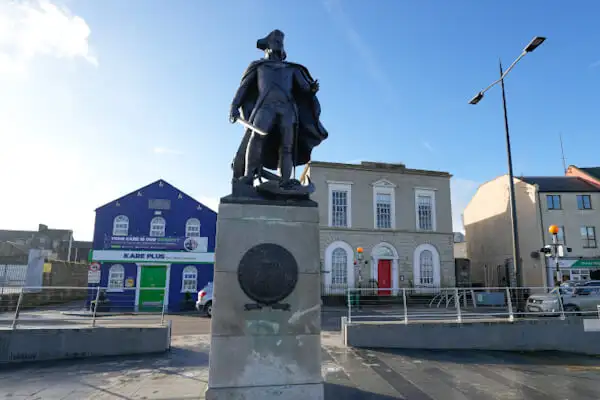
{"x": 42, "y": 228}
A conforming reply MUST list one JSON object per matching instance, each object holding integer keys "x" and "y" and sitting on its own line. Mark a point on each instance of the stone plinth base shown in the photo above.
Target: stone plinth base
{"x": 261, "y": 351}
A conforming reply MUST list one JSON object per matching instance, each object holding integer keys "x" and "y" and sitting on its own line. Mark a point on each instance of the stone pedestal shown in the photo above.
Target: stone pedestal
{"x": 261, "y": 352}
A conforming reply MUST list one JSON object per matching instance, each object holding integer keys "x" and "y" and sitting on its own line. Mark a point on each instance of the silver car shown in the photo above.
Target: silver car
{"x": 205, "y": 299}
{"x": 549, "y": 304}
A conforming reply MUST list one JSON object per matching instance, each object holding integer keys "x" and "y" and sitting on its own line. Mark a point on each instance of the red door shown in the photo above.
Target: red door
{"x": 384, "y": 274}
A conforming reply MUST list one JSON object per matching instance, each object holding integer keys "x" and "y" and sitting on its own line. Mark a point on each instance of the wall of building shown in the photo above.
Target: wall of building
{"x": 136, "y": 207}
{"x": 488, "y": 231}
{"x": 362, "y": 195}
{"x": 404, "y": 239}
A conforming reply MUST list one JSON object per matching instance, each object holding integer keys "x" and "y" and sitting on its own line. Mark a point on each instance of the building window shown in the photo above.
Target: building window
{"x": 553, "y": 201}
{"x": 116, "y": 276}
{"x": 588, "y": 236}
{"x": 189, "y": 279}
{"x": 340, "y": 206}
{"x": 192, "y": 227}
{"x": 426, "y": 268}
{"x": 384, "y": 207}
{"x": 121, "y": 225}
{"x": 157, "y": 227}
{"x": 584, "y": 202}
{"x": 383, "y": 204}
{"x": 425, "y": 210}
{"x": 339, "y": 267}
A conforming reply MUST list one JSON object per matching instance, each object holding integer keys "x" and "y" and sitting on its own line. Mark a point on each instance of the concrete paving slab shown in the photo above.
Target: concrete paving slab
{"x": 349, "y": 374}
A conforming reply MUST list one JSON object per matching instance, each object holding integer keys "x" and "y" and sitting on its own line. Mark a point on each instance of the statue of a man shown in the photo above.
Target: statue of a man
{"x": 278, "y": 99}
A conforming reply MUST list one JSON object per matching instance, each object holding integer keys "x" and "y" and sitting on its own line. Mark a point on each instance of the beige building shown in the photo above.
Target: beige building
{"x": 400, "y": 217}
{"x": 570, "y": 202}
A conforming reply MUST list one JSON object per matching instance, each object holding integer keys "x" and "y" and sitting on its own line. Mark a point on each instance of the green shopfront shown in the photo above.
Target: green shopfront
{"x": 145, "y": 280}
{"x": 577, "y": 269}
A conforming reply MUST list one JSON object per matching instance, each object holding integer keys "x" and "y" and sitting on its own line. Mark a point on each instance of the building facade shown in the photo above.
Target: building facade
{"x": 155, "y": 237}
{"x": 400, "y": 218}
{"x": 567, "y": 201}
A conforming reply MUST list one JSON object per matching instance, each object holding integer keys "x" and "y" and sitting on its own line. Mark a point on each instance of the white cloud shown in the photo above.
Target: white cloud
{"x": 462, "y": 190}
{"x": 166, "y": 150}
{"x": 34, "y": 28}
{"x": 595, "y": 64}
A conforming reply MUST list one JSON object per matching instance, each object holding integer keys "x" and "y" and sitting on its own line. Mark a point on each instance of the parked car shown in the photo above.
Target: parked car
{"x": 575, "y": 297}
{"x": 205, "y": 299}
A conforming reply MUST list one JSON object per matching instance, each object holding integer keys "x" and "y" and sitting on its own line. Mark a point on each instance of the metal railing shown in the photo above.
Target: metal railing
{"x": 469, "y": 304}
{"x": 37, "y": 307}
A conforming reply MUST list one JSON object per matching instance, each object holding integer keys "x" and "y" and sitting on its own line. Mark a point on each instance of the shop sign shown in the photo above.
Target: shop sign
{"x": 152, "y": 256}
{"x": 586, "y": 264}
{"x": 175, "y": 243}
{"x": 94, "y": 273}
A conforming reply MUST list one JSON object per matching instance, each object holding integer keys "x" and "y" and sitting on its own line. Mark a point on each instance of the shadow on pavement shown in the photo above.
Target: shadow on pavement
{"x": 334, "y": 392}
{"x": 542, "y": 358}
{"x": 177, "y": 357}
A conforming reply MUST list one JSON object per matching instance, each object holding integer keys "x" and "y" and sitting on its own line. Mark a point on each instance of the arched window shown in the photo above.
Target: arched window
{"x": 116, "y": 276}
{"x": 158, "y": 227}
{"x": 426, "y": 268}
{"x": 339, "y": 267}
{"x": 192, "y": 227}
{"x": 189, "y": 279}
{"x": 121, "y": 225}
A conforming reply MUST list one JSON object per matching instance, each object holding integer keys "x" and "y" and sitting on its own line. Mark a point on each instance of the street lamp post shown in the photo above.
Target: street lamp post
{"x": 513, "y": 211}
{"x": 553, "y": 229}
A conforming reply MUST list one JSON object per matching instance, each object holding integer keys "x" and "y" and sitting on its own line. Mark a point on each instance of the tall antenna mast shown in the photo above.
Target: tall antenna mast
{"x": 562, "y": 152}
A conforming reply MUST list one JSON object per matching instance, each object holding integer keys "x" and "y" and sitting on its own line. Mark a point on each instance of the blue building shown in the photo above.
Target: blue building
{"x": 155, "y": 237}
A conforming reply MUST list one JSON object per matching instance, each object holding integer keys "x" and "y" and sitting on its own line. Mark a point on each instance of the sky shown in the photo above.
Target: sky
{"x": 99, "y": 98}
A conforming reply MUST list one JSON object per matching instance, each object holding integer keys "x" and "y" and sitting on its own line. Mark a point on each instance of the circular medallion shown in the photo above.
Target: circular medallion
{"x": 268, "y": 273}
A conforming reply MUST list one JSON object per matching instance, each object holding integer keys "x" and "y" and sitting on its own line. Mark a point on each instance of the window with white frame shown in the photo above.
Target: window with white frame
{"x": 340, "y": 205}
{"x": 425, "y": 209}
{"x": 426, "y": 268}
{"x": 121, "y": 225}
{"x": 189, "y": 279}
{"x": 384, "y": 207}
{"x": 339, "y": 267}
{"x": 158, "y": 227}
{"x": 116, "y": 277}
{"x": 192, "y": 227}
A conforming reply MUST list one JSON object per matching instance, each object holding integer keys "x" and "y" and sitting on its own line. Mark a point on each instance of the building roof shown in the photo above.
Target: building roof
{"x": 161, "y": 181}
{"x": 378, "y": 166}
{"x": 594, "y": 172}
{"x": 560, "y": 184}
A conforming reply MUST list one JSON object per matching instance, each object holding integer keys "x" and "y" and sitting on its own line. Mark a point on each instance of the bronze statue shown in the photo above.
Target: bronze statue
{"x": 276, "y": 103}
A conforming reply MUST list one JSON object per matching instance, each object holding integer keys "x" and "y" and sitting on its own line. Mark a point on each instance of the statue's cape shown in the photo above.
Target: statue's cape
{"x": 309, "y": 134}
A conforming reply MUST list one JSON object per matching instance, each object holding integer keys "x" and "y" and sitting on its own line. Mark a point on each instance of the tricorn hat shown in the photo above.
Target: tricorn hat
{"x": 263, "y": 43}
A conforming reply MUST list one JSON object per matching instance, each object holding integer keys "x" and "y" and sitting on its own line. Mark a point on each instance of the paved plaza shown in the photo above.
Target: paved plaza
{"x": 350, "y": 374}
